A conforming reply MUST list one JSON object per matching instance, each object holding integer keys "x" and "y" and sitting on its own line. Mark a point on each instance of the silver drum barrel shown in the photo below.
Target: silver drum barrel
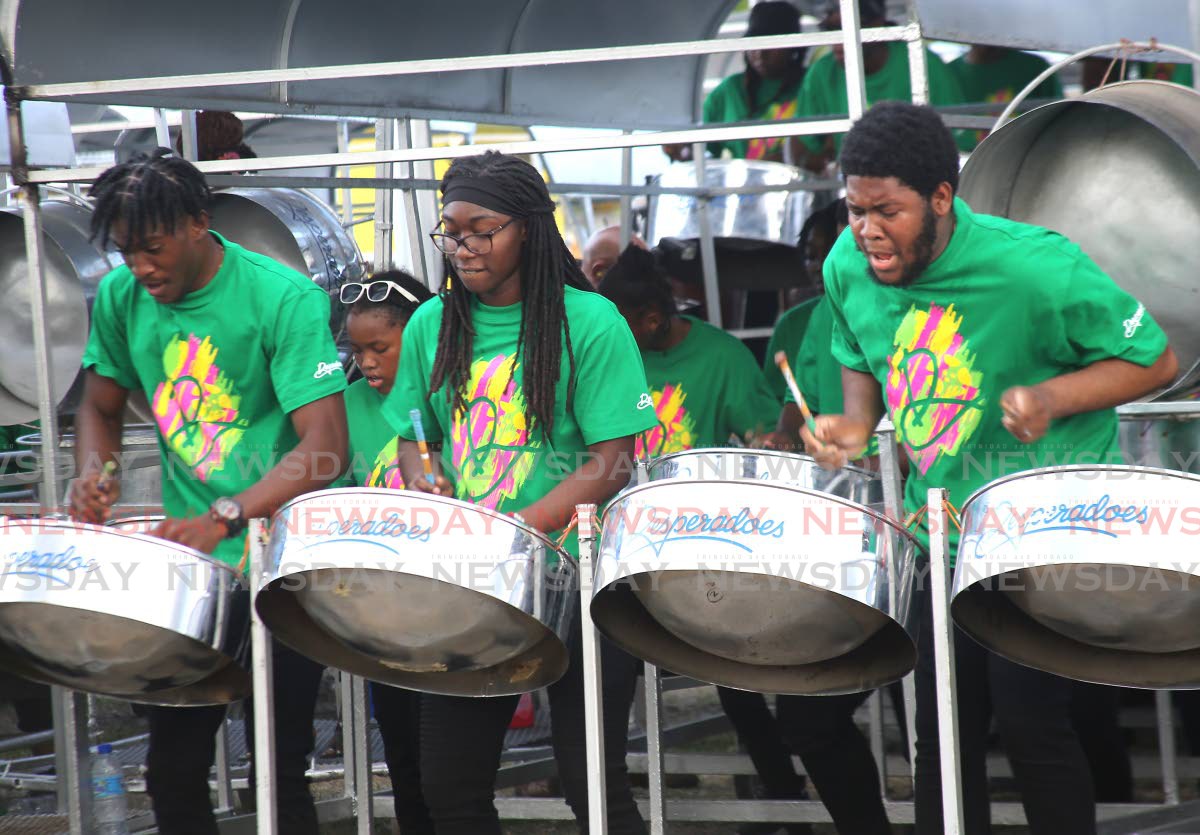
{"x": 757, "y": 585}
{"x": 420, "y": 591}
{"x": 853, "y": 483}
{"x": 121, "y": 614}
{"x": 1090, "y": 573}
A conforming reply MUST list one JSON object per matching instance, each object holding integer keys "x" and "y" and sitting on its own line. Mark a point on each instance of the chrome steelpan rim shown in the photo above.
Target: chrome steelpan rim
{"x": 544, "y": 662}
{"x": 762, "y": 453}
{"x": 1075, "y": 468}
{"x": 774, "y": 485}
{"x": 619, "y": 614}
{"x": 436, "y": 499}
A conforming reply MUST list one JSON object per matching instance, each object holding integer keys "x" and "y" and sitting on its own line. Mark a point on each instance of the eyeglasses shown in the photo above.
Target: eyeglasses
{"x": 376, "y": 291}
{"x": 479, "y": 243}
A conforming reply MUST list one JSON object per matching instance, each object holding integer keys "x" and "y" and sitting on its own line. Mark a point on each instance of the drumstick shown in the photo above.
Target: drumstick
{"x": 106, "y": 475}
{"x": 781, "y": 361}
{"x": 419, "y": 430}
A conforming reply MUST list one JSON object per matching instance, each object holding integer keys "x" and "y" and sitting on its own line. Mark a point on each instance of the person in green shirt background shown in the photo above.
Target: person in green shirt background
{"x": 765, "y": 91}
{"x": 378, "y": 311}
{"x": 534, "y": 385}
{"x": 995, "y": 347}
{"x": 820, "y": 230}
{"x": 823, "y": 92}
{"x": 995, "y": 74}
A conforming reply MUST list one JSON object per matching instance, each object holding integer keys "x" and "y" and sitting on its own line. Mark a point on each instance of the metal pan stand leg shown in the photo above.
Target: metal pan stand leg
{"x": 264, "y": 696}
{"x": 1165, "y": 716}
{"x": 943, "y": 643}
{"x": 224, "y": 780}
{"x": 654, "y": 751}
{"x": 593, "y": 687}
{"x": 360, "y": 713}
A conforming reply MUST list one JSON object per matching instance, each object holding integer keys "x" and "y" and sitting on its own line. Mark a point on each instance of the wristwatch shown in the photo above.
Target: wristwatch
{"x": 228, "y": 511}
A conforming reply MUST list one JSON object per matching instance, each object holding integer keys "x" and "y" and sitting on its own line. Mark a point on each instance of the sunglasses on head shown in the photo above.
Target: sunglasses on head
{"x": 376, "y": 291}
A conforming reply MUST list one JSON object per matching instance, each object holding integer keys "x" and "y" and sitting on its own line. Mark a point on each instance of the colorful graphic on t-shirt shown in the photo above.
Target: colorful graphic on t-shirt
{"x": 196, "y": 406}
{"x": 386, "y": 470}
{"x": 760, "y": 148}
{"x": 933, "y": 389}
{"x": 491, "y": 441}
{"x": 676, "y": 430}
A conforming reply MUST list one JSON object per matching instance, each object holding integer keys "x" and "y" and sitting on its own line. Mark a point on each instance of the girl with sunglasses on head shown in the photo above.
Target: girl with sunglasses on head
{"x": 378, "y": 311}
{"x": 535, "y": 385}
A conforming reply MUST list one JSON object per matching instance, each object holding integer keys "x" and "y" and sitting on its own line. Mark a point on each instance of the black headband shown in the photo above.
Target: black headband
{"x": 490, "y": 195}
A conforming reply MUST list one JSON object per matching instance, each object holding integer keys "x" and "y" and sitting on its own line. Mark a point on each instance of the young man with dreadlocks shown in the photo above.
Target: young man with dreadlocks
{"x": 234, "y": 352}
{"x": 986, "y": 340}
{"x": 523, "y": 372}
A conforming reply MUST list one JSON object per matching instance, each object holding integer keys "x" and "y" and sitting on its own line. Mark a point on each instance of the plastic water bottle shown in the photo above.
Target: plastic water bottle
{"x": 108, "y": 794}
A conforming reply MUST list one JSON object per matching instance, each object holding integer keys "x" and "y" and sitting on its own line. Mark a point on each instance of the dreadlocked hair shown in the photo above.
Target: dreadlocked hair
{"x": 635, "y": 282}
{"x": 546, "y": 267}
{"x": 146, "y": 194}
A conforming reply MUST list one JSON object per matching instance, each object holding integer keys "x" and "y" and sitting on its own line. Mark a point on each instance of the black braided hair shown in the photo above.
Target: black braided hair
{"x": 826, "y": 219}
{"x": 148, "y": 193}
{"x": 395, "y": 306}
{"x": 546, "y": 267}
{"x": 636, "y": 283}
{"x": 906, "y": 141}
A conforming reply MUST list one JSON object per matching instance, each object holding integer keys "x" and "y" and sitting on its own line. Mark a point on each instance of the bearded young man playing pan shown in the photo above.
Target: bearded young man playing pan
{"x": 982, "y": 337}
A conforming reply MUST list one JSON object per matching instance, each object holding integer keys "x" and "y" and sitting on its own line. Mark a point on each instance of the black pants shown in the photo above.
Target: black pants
{"x": 398, "y": 713}
{"x": 759, "y": 732}
{"x": 1033, "y": 716}
{"x": 183, "y": 747}
{"x": 462, "y": 740}
{"x": 837, "y": 757}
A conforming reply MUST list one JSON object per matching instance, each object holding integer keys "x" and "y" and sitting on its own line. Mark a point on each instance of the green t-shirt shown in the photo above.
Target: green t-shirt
{"x": 998, "y": 82}
{"x": 705, "y": 389}
{"x": 488, "y": 451}
{"x": 823, "y": 92}
{"x": 729, "y": 102}
{"x": 222, "y": 368}
{"x": 1006, "y": 304}
{"x": 787, "y": 336}
{"x": 818, "y": 373}
{"x": 373, "y": 442}
{"x": 1175, "y": 73}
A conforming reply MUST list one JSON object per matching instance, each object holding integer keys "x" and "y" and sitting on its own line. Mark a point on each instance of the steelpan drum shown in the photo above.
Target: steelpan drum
{"x": 757, "y": 585}
{"x": 1089, "y": 573}
{"x": 769, "y": 216}
{"x": 1116, "y": 170}
{"x": 420, "y": 591}
{"x": 121, "y": 614}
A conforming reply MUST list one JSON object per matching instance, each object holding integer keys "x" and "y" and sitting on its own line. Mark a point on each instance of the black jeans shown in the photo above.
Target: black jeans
{"x": 759, "y": 732}
{"x": 1033, "y": 716}
{"x": 462, "y": 740}
{"x": 837, "y": 757}
{"x": 183, "y": 747}
{"x": 398, "y": 713}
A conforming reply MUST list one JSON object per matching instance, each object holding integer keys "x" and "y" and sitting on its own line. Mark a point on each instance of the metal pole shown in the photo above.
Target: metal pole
{"x": 187, "y": 130}
{"x": 893, "y": 502}
{"x": 943, "y": 653}
{"x": 384, "y": 140}
{"x": 343, "y": 146}
{"x": 360, "y": 714}
{"x": 416, "y": 249}
{"x": 918, "y": 71}
{"x": 626, "y": 201}
{"x": 856, "y": 85}
{"x": 345, "y": 700}
{"x": 162, "y": 131}
{"x": 72, "y": 759}
{"x": 593, "y": 680}
{"x": 875, "y": 721}
{"x": 708, "y": 250}
{"x": 1194, "y": 18}
{"x": 264, "y": 693}
{"x": 425, "y": 210}
{"x": 654, "y": 749}
{"x": 1165, "y": 716}
{"x": 224, "y": 780}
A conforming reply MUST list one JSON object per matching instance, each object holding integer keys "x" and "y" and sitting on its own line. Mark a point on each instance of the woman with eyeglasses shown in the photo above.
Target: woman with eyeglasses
{"x": 379, "y": 309}
{"x": 534, "y": 384}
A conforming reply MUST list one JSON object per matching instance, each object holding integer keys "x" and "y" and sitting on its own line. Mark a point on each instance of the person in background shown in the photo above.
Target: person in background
{"x": 995, "y": 74}
{"x": 820, "y": 230}
{"x": 765, "y": 91}
{"x": 379, "y": 308}
{"x": 706, "y": 387}
{"x": 602, "y": 250}
{"x": 219, "y": 135}
{"x": 887, "y": 78}
{"x": 233, "y": 351}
